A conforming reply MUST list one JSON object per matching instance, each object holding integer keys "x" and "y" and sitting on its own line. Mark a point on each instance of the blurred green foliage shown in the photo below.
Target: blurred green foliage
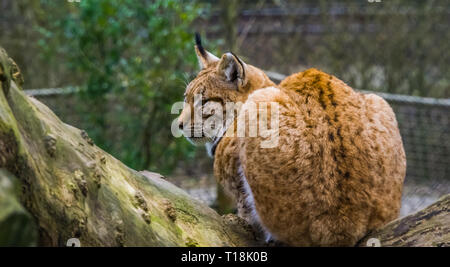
{"x": 133, "y": 59}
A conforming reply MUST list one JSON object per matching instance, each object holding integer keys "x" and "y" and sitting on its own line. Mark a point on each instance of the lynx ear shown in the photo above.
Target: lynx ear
{"x": 205, "y": 59}
{"x": 233, "y": 69}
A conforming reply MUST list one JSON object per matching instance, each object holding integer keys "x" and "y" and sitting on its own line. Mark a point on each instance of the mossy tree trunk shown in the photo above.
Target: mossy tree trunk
{"x": 73, "y": 189}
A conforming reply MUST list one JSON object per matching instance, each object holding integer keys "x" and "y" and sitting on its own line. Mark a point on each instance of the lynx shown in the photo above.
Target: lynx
{"x": 337, "y": 170}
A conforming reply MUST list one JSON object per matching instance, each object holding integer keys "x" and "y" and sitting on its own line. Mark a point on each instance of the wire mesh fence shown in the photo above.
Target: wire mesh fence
{"x": 425, "y": 131}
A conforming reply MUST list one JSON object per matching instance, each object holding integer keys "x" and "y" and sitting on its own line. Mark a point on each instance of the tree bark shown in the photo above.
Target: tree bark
{"x": 73, "y": 189}
{"x": 429, "y": 227}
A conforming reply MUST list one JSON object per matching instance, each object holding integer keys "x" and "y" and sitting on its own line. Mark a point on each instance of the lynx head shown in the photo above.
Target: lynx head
{"x": 220, "y": 81}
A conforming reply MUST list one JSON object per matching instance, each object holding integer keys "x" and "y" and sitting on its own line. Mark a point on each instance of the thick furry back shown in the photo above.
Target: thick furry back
{"x": 339, "y": 166}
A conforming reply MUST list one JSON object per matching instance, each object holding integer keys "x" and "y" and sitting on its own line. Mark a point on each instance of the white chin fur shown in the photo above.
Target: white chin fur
{"x": 209, "y": 146}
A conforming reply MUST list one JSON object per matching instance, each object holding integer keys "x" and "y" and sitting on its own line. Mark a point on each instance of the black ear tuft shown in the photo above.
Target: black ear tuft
{"x": 198, "y": 39}
{"x": 198, "y": 42}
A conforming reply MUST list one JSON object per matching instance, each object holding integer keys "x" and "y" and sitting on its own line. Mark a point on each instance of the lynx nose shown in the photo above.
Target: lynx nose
{"x": 180, "y": 125}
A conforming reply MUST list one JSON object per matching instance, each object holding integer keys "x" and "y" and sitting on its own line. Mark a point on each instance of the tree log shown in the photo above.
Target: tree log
{"x": 429, "y": 227}
{"x": 73, "y": 189}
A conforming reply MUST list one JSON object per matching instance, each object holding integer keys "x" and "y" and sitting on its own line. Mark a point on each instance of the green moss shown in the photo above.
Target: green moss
{"x": 191, "y": 243}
